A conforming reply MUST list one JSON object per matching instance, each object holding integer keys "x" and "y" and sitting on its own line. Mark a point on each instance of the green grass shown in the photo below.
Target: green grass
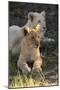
{"x": 20, "y": 81}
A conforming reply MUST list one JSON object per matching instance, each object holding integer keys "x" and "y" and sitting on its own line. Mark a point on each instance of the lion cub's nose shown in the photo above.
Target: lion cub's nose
{"x": 37, "y": 44}
{"x": 30, "y": 63}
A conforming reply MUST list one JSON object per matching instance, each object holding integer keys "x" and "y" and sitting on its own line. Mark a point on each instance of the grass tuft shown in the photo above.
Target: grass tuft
{"x": 20, "y": 81}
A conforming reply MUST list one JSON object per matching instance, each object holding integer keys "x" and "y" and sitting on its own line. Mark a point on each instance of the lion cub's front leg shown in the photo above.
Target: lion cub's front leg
{"x": 24, "y": 67}
{"x": 37, "y": 66}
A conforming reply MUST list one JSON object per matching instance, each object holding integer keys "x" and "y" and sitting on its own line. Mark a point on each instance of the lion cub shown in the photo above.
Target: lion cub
{"x": 30, "y": 59}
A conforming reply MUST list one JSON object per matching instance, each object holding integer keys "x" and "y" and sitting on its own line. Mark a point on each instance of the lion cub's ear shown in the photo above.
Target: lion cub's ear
{"x": 26, "y": 30}
{"x": 31, "y": 16}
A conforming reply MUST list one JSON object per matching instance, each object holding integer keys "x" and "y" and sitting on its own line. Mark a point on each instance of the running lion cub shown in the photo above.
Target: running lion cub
{"x": 30, "y": 58}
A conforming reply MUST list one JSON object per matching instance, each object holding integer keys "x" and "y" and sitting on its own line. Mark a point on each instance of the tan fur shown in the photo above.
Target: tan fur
{"x": 30, "y": 51}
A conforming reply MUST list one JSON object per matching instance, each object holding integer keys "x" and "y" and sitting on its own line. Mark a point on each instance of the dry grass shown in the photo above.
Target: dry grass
{"x": 20, "y": 81}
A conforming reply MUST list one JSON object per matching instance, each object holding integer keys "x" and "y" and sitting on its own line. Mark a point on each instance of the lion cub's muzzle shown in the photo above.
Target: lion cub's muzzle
{"x": 37, "y": 44}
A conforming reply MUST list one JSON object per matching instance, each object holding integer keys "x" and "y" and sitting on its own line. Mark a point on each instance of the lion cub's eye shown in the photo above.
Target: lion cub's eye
{"x": 39, "y": 21}
{"x": 32, "y": 38}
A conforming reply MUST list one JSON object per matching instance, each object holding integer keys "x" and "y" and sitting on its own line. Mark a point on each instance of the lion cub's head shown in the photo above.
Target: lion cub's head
{"x": 32, "y": 36}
